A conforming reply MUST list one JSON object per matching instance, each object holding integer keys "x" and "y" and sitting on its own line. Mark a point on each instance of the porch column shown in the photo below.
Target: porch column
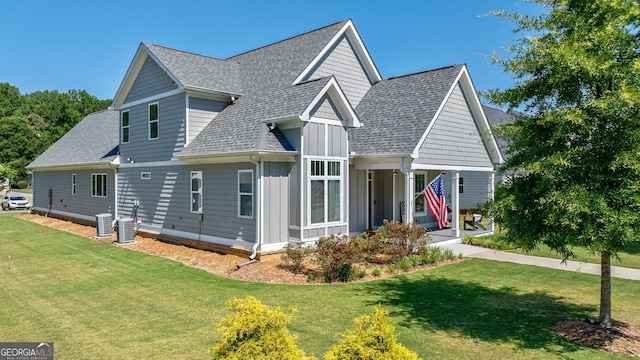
{"x": 408, "y": 197}
{"x": 455, "y": 204}
{"x": 490, "y": 192}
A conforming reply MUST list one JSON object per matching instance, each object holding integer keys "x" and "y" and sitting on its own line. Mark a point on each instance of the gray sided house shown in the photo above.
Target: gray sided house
{"x": 286, "y": 143}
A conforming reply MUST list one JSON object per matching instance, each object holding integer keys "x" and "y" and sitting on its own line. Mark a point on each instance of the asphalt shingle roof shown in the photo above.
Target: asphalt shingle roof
{"x": 396, "y": 112}
{"x": 93, "y": 140}
{"x": 198, "y": 71}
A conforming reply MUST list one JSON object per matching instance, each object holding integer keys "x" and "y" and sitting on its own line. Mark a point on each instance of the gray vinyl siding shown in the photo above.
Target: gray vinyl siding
{"x": 171, "y": 139}
{"x": 427, "y": 218}
{"x": 165, "y": 200}
{"x": 475, "y": 187}
{"x": 276, "y": 202}
{"x": 455, "y": 139}
{"x": 337, "y": 141}
{"x": 151, "y": 80}
{"x": 201, "y": 112}
{"x": 314, "y": 139}
{"x": 64, "y": 201}
{"x": 326, "y": 109}
{"x": 341, "y": 61}
{"x": 357, "y": 200}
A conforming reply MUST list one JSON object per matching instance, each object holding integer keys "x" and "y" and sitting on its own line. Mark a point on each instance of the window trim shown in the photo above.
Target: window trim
{"x": 123, "y": 127}
{"x": 155, "y": 121}
{"x": 326, "y": 176}
{"x": 74, "y": 179}
{"x": 461, "y": 185}
{"x": 419, "y": 192}
{"x": 94, "y": 185}
{"x": 241, "y": 194}
{"x": 199, "y": 191}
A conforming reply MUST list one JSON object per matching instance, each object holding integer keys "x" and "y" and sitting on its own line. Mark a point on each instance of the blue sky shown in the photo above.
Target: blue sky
{"x": 62, "y": 45}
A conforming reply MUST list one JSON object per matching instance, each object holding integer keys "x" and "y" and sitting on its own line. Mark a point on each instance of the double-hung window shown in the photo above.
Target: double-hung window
{"x": 99, "y": 185}
{"x": 124, "y": 127}
{"x": 419, "y": 183}
{"x": 196, "y": 192}
{"x": 325, "y": 191}
{"x": 245, "y": 193}
{"x": 154, "y": 122}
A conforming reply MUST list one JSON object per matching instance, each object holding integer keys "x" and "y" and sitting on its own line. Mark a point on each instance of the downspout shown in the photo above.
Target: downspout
{"x": 407, "y": 206}
{"x": 115, "y": 191}
{"x": 259, "y": 169}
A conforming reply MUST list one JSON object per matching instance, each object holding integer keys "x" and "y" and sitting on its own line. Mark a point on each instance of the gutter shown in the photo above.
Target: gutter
{"x": 259, "y": 234}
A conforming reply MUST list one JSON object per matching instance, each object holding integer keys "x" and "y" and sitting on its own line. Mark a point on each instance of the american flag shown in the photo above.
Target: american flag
{"x": 434, "y": 196}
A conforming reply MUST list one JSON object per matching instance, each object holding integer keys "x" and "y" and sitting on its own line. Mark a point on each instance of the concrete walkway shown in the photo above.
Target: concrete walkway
{"x": 482, "y": 253}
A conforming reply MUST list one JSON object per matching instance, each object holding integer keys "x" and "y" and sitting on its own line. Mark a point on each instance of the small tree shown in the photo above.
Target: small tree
{"x": 574, "y": 161}
{"x": 256, "y": 331}
{"x": 373, "y": 337}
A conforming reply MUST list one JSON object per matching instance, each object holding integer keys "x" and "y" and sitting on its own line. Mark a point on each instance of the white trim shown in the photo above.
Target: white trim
{"x": 99, "y": 193}
{"x": 415, "y": 166}
{"x": 122, "y": 127}
{"x": 333, "y": 90}
{"x": 361, "y": 52}
{"x": 199, "y": 191}
{"x": 187, "y": 123}
{"x": 253, "y": 195}
{"x": 157, "y": 120}
{"x": 153, "y": 98}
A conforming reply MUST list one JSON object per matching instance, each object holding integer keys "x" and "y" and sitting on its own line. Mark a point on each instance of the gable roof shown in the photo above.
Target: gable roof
{"x": 97, "y": 135}
{"x": 497, "y": 118}
{"x": 395, "y": 112}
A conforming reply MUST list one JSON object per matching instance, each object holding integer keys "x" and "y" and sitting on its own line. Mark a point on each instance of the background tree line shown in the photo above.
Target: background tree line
{"x": 30, "y": 123}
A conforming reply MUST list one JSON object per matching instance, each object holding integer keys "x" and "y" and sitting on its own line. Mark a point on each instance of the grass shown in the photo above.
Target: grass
{"x": 97, "y": 301}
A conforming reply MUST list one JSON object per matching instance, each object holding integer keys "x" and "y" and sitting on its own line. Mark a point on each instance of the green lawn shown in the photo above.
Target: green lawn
{"x": 97, "y": 301}
{"x": 629, "y": 257}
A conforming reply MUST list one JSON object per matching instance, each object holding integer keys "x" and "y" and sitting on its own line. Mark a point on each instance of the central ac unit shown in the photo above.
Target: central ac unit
{"x": 103, "y": 225}
{"x": 126, "y": 230}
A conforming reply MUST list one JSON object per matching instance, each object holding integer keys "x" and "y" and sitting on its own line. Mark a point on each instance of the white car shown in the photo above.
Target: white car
{"x": 15, "y": 202}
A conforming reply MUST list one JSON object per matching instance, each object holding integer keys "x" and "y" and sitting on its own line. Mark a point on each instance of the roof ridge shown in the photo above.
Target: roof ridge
{"x": 287, "y": 39}
{"x": 424, "y": 71}
{"x": 184, "y": 51}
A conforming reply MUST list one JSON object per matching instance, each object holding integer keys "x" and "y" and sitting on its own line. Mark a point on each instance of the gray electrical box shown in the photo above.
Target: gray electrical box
{"x": 126, "y": 230}
{"x": 103, "y": 225}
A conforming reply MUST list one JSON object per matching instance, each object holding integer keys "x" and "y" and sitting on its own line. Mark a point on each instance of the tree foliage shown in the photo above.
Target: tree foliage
{"x": 574, "y": 161}
{"x": 256, "y": 331}
{"x": 31, "y": 123}
{"x": 372, "y": 337}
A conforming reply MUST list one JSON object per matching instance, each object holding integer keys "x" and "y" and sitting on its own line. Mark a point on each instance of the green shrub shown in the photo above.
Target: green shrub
{"x": 399, "y": 240}
{"x": 376, "y": 271}
{"x": 22, "y": 184}
{"x": 336, "y": 255}
{"x": 255, "y": 331}
{"x": 372, "y": 337}
{"x": 404, "y": 264}
{"x": 294, "y": 256}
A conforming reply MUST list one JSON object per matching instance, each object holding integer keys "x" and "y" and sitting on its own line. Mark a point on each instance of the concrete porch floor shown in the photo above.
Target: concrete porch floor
{"x": 445, "y": 234}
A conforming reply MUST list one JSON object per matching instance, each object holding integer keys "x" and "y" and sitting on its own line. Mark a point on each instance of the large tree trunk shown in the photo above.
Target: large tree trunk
{"x": 605, "y": 289}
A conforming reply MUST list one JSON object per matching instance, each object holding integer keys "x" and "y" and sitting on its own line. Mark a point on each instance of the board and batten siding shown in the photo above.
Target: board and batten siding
{"x": 341, "y": 61}
{"x": 165, "y": 200}
{"x": 358, "y": 206}
{"x": 151, "y": 80}
{"x": 276, "y": 202}
{"x": 454, "y": 139}
{"x": 81, "y": 205}
{"x": 201, "y": 112}
{"x": 171, "y": 127}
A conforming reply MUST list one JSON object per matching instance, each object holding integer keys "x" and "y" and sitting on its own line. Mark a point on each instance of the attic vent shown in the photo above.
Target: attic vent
{"x": 103, "y": 225}
{"x": 126, "y": 230}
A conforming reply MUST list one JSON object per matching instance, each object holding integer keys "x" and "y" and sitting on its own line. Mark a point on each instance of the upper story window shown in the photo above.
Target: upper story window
{"x": 154, "y": 122}
{"x": 99, "y": 185}
{"x": 325, "y": 191}
{"x": 196, "y": 192}
{"x": 124, "y": 126}
{"x": 245, "y": 193}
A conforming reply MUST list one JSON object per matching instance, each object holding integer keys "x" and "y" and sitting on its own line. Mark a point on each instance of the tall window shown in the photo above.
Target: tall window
{"x": 99, "y": 185}
{"x": 461, "y": 185}
{"x": 73, "y": 184}
{"x": 419, "y": 183}
{"x": 196, "y": 192}
{"x": 124, "y": 126}
{"x": 245, "y": 193}
{"x": 326, "y": 194}
{"x": 154, "y": 123}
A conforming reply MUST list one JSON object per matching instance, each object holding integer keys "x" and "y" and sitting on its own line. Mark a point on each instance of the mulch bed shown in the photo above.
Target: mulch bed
{"x": 619, "y": 338}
